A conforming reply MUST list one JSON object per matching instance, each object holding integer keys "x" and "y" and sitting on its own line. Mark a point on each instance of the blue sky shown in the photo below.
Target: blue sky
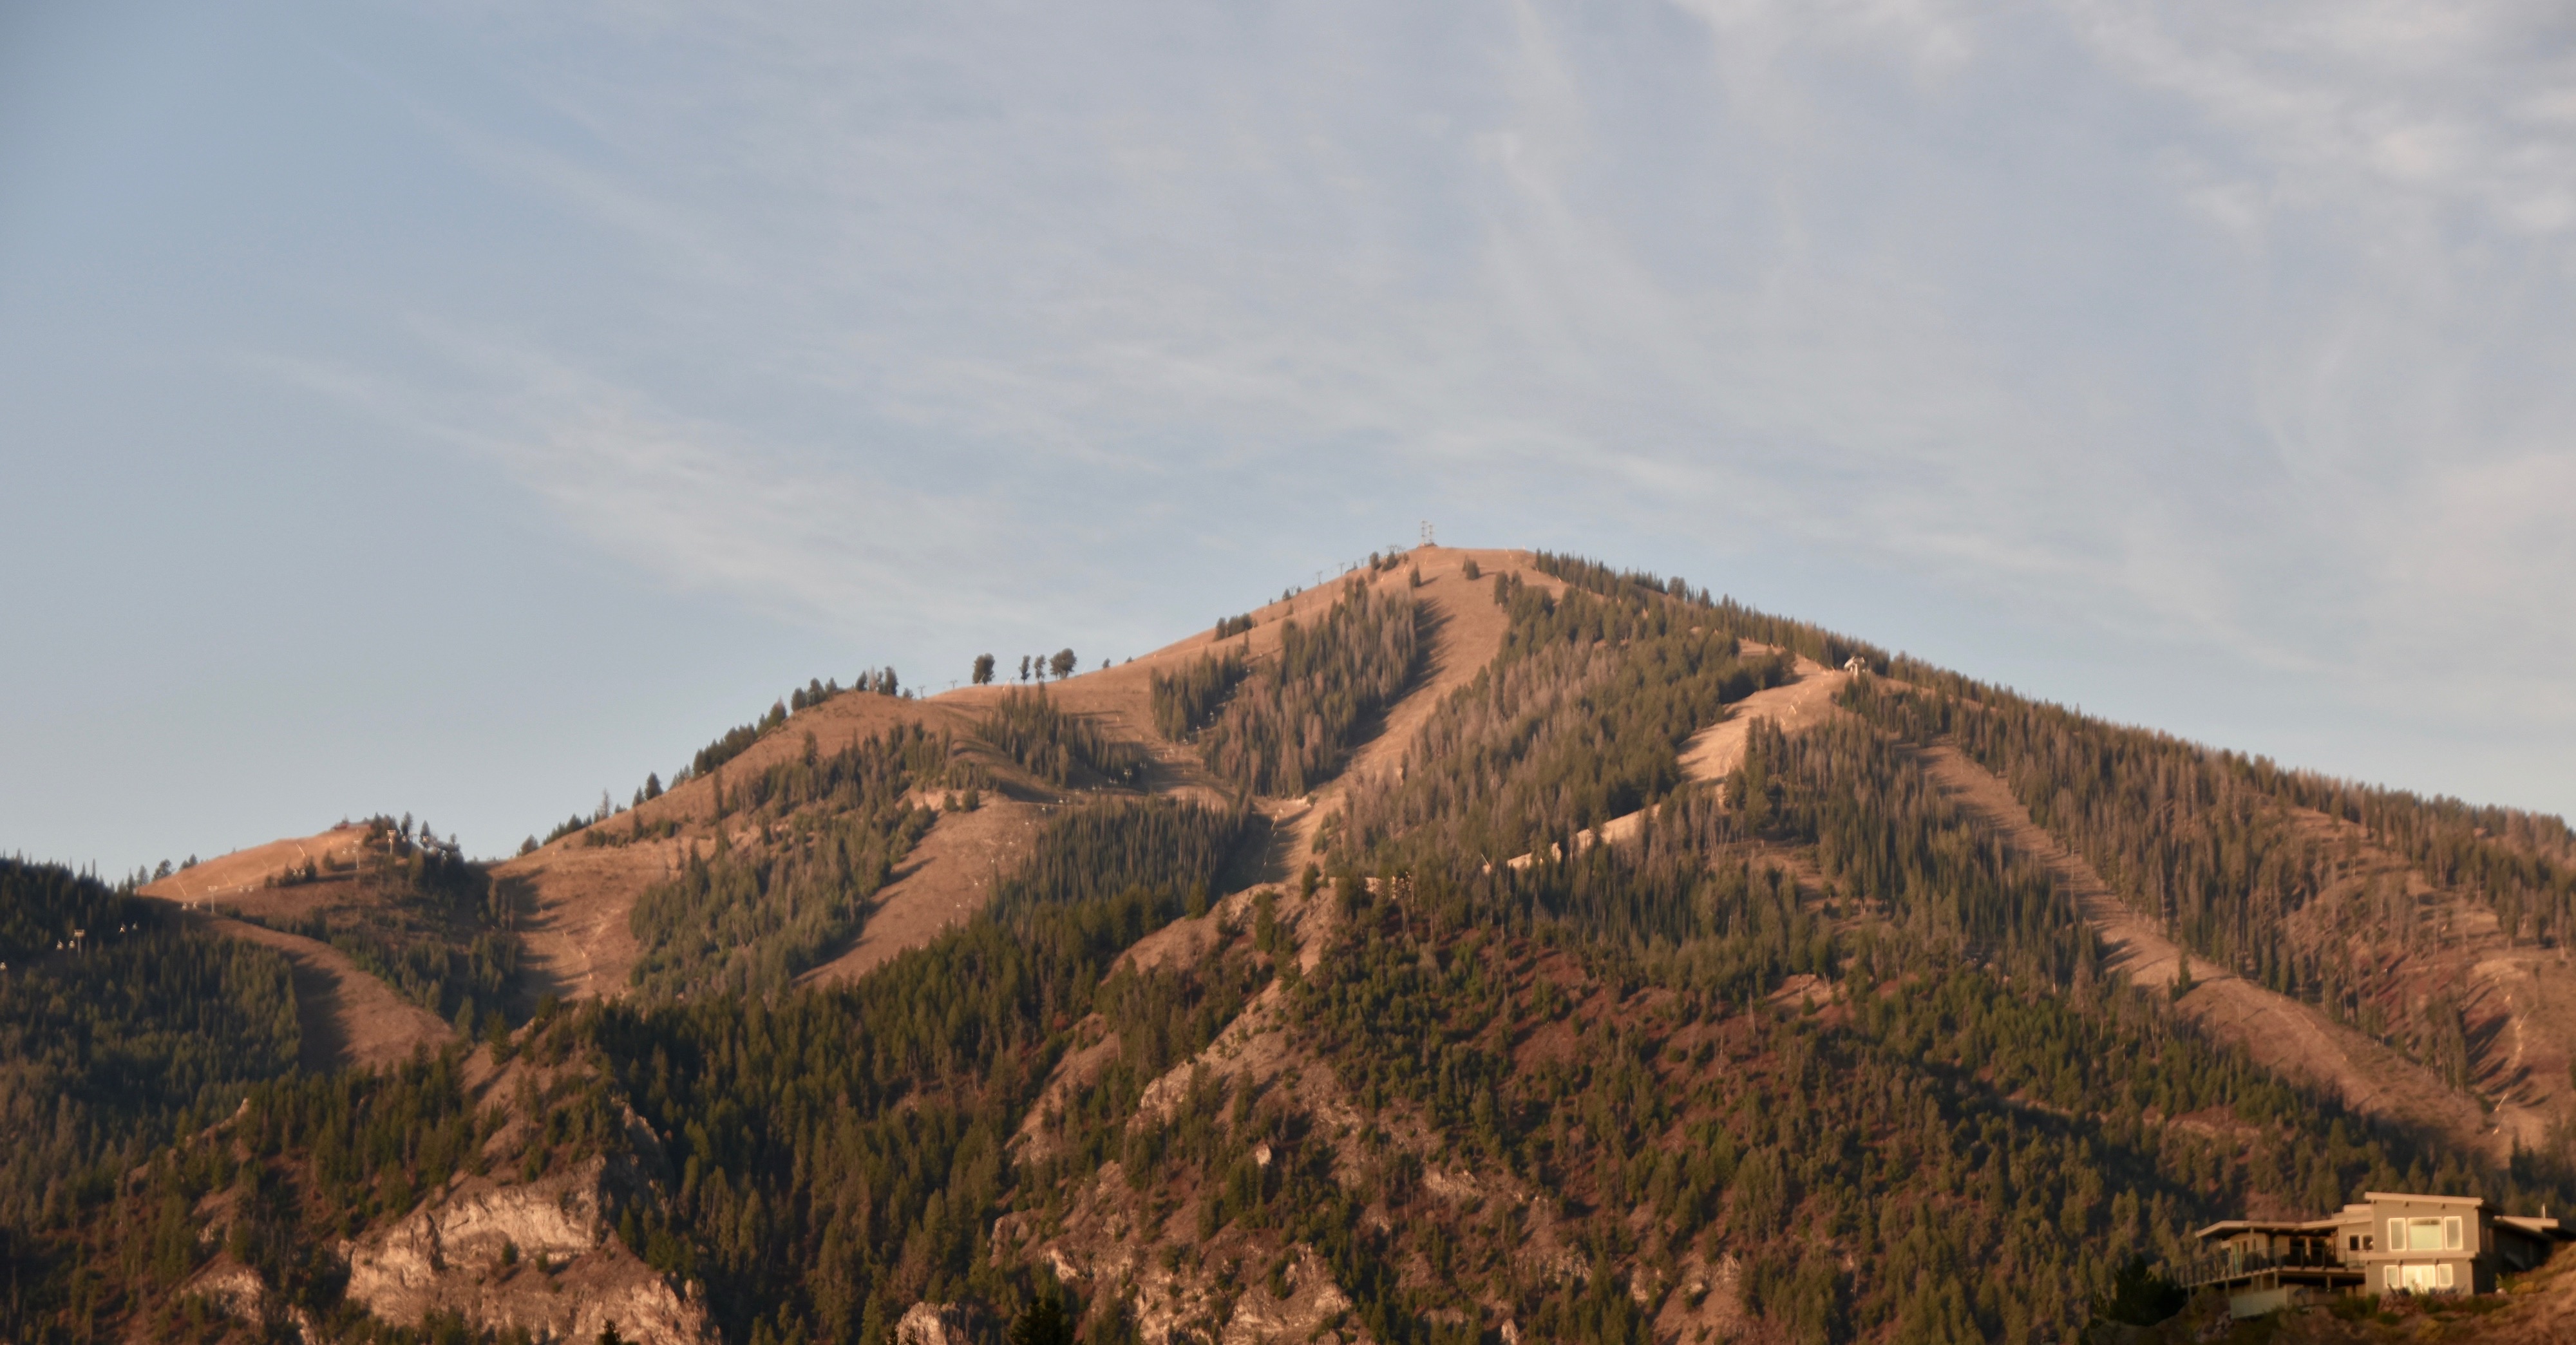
{"x": 461, "y": 409}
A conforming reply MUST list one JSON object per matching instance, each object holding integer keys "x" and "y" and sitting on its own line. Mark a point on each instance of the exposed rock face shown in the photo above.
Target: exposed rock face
{"x": 472, "y": 1229}
{"x": 539, "y": 1256}
{"x": 934, "y": 1324}
{"x": 238, "y": 1291}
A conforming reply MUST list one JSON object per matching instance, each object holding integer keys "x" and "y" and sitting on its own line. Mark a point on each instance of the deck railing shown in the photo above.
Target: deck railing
{"x": 2233, "y": 1262}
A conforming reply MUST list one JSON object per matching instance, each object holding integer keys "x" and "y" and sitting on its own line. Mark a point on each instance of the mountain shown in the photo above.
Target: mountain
{"x": 1486, "y": 946}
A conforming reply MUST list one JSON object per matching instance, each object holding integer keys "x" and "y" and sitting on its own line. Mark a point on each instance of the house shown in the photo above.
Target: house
{"x": 2391, "y": 1242}
{"x": 1855, "y": 665}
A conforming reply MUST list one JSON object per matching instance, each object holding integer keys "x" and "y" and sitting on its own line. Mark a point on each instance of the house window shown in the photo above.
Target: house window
{"x": 2393, "y": 1282}
{"x": 2444, "y": 1279}
{"x": 2451, "y": 1234}
{"x": 2396, "y": 1235}
{"x": 2422, "y": 1235}
{"x": 2423, "y": 1279}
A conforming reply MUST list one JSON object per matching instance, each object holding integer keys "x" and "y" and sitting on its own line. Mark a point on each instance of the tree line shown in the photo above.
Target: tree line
{"x": 1056, "y": 745}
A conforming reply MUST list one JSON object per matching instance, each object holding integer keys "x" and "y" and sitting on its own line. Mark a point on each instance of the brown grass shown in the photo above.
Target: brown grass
{"x": 346, "y": 1016}
{"x": 943, "y": 883}
{"x": 578, "y": 941}
{"x": 239, "y": 878}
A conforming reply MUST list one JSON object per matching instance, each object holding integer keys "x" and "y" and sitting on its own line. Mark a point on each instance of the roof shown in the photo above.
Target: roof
{"x": 2364, "y": 1213}
{"x": 2375, "y": 1197}
{"x": 2230, "y": 1227}
{"x": 2538, "y": 1227}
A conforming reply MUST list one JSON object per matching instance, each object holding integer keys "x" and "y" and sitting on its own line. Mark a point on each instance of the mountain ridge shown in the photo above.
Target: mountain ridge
{"x": 1679, "y": 919}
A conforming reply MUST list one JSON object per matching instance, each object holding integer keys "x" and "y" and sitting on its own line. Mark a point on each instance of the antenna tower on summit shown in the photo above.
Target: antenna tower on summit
{"x": 1426, "y": 533}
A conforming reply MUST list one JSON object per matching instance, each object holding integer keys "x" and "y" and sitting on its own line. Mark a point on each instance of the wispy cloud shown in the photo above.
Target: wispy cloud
{"x": 808, "y": 537}
{"x": 2239, "y": 328}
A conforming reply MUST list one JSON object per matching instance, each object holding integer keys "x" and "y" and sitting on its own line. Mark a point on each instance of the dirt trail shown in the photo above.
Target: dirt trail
{"x": 575, "y": 942}
{"x": 2281, "y": 1033}
{"x": 347, "y": 1016}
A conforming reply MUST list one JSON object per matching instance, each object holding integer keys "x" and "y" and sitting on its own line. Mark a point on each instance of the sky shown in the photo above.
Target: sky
{"x": 463, "y": 409}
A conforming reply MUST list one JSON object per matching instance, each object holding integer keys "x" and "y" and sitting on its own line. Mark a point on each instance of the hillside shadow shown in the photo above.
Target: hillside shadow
{"x": 517, "y": 894}
{"x": 1253, "y": 859}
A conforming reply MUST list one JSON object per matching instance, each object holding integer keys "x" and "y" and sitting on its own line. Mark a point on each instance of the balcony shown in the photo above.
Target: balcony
{"x": 2315, "y": 1266}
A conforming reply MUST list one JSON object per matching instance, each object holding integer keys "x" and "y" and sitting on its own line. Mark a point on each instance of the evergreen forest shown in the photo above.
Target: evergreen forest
{"x": 1501, "y": 1026}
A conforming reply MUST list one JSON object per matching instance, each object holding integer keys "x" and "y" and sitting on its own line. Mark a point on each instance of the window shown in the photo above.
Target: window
{"x": 2422, "y": 1235}
{"x": 2396, "y": 1235}
{"x": 2424, "y": 1279}
{"x": 2451, "y": 1234}
{"x": 2444, "y": 1279}
{"x": 2393, "y": 1283}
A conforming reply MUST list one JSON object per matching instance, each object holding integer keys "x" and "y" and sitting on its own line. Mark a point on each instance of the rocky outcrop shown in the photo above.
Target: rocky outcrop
{"x": 237, "y": 1291}
{"x": 540, "y": 1257}
{"x": 935, "y": 1324}
{"x": 477, "y": 1225}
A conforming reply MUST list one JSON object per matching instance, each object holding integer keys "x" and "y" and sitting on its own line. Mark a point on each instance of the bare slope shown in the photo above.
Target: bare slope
{"x": 346, "y": 1016}
{"x": 944, "y": 882}
{"x": 1714, "y": 752}
{"x": 578, "y": 941}
{"x": 240, "y": 879}
{"x": 577, "y": 938}
{"x": 2512, "y": 985}
{"x": 2422, "y": 944}
{"x": 2286, "y": 1035}
{"x": 1465, "y": 631}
